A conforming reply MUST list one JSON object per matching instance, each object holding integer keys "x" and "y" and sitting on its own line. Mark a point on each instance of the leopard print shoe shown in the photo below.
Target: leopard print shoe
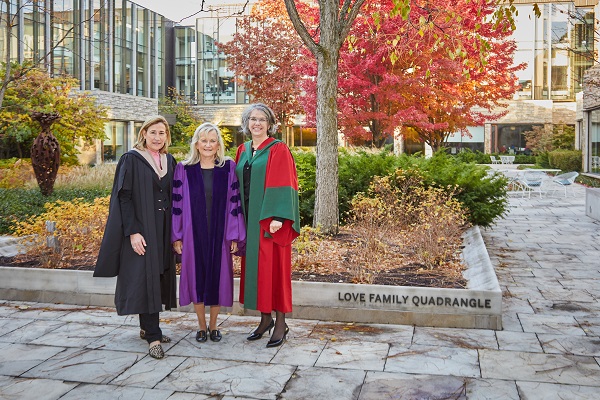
{"x": 156, "y": 351}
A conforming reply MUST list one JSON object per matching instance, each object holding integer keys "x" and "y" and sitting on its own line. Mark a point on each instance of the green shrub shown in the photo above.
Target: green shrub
{"x": 357, "y": 170}
{"x": 565, "y": 160}
{"x": 542, "y": 160}
{"x": 524, "y": 159}
{"x": 483, "y": 195}
{"x": 19, "y": 204}
{"x": 477, "y": 157}
{"x": 306, "y": 167}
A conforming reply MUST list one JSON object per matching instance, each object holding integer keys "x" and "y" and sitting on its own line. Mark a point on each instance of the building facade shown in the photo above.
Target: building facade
{"x": 115, "y": 48}
{"x": 557, "y": 48}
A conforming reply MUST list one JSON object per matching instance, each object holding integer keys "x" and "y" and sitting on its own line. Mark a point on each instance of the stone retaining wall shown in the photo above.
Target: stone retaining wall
{"x": 477, "y": 306}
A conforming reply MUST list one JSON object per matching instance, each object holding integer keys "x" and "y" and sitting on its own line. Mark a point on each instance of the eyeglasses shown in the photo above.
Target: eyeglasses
{"x": 261, "y": 120}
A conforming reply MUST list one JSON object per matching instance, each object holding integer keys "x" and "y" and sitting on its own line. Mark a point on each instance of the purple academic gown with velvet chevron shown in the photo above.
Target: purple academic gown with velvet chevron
{"x": 206, "y": 261}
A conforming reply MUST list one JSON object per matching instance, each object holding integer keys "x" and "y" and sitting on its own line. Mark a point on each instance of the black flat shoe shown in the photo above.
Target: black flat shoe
{"x": 201, "y": 336}
{"x": 257, "y": 335}
{"x": 279, "y": 342}
{"x": 215, "y": 335}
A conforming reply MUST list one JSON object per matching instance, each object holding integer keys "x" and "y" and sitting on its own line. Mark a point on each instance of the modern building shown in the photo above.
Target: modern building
{"x": 558, "y": 47}
{"x": 114, "y": 47}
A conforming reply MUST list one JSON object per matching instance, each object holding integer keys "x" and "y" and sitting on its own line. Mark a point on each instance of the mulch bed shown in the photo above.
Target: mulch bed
{"x": 407, "y": 274}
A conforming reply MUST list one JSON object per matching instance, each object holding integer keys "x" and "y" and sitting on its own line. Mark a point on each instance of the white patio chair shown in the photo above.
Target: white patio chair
{"x": 565, "y": 180}
{"x": 532, "y": 181}
{"x": 495, "y": 160}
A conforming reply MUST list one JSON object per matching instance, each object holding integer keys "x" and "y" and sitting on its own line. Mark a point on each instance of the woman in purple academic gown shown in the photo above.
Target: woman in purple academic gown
{"x": 208, "y": 224}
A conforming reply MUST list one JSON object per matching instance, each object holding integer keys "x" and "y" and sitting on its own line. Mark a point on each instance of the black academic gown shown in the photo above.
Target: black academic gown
{"x": 144, "y": 283}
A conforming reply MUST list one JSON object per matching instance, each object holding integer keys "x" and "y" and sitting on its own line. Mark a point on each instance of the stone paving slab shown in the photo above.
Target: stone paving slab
{"x": 25, "y": 330}
{"x": 550, "y": 391}
{"x": 354, "y": 355}
{"x": 110, "y": 392}
{"x": 19, "y": 358}
{"x": 590, "y": 325}
{"x": 468, "y": 339}
{"x": 148, "y": 372}
{"x": 8, "y": 325}
{"x": 549, "y": 368}
{"x": 385, "y": 385}
{"x": 83, "y": 365}
{"x": 434, "y": 360}
{"x": 232, "y": 378}
{"x": 34, "y": 389}
{"x": 563, "y": 344}
{"x": 73, "y": 334}
{"x": 566, "y": 325}
{"x": 492, "y": 389}
{"x": 324, "y": 383}
{"x": 519, "y": 341}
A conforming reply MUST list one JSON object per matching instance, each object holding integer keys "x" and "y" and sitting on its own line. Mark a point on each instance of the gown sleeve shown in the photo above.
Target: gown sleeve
{"x": 235, "y": 227}
{"x": 177, "y": 207}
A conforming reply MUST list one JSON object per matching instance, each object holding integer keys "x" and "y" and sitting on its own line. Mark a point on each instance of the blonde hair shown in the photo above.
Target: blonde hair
{"x": 140, "y": 143}
{"x": 203, "y": 130}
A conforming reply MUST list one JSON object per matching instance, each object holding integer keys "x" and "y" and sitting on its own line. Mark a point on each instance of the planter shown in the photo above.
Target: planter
{"x": 477, "y": 306}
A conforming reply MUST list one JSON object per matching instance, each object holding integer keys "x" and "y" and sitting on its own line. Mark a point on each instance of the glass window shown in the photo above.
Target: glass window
{"x": 594, "y": 152}
{"x": 62, "y": 33}
{"x": 116, "y": 138}
{"x": 510, "y": 139}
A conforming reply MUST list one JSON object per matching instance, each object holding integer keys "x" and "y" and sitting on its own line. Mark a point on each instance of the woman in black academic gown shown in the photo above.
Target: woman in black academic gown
{"x": 137, "y": 241}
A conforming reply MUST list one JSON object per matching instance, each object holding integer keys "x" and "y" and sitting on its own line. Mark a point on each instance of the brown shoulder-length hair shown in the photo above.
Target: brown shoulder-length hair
{"x": 140, "y": 143}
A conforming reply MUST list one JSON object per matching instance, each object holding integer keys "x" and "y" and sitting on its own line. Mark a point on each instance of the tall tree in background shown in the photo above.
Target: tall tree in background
{"x": 262, "y": 54}
{"x": 334, "y": 22}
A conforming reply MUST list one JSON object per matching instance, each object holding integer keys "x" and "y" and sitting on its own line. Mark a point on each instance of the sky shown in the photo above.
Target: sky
{"x": 177, "y": 10}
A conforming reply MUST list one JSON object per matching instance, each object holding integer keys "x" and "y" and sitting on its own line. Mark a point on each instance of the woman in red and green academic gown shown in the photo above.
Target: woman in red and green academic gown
{"x": 269, "y": 191}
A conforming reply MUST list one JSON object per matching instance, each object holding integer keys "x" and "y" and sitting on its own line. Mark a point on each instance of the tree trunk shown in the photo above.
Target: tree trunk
{"x": 326, "y": 191}
{"x": 335, "y": 22}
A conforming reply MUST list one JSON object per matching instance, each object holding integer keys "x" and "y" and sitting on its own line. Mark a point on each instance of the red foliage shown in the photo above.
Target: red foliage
{"x": 441, "y": 70}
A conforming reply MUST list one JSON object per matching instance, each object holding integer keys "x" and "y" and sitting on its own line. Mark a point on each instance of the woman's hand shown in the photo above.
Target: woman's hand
{"x": 178, "y": 246}
{"x": 234, "y": 247}
{"x": 138, "y": 243}
{"x": 275, "y": 226}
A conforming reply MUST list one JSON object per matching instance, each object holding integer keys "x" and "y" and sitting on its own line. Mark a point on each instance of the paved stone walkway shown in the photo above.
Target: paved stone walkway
{"x": 547, "y": 255}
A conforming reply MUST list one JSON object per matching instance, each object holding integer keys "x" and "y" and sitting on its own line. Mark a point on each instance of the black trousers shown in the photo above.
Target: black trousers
{"x": 149, "y": 323}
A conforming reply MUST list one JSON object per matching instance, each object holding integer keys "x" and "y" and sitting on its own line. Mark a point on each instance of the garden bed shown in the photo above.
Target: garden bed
{"x": 335, "y": 259}
{"x": 478, "y": 305}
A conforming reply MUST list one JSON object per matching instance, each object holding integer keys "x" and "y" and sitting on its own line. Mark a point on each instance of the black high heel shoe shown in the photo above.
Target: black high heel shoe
{"x": 257, "y": 335}
{"x": 279, "y": 342}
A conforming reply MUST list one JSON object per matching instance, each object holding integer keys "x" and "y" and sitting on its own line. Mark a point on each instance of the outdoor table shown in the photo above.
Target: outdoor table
{"x": 507, "y": 159}
{"x": 547, "y": 170}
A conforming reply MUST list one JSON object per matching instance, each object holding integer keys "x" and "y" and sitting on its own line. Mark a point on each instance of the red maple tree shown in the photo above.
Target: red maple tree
{"x": 443, "y": 68}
